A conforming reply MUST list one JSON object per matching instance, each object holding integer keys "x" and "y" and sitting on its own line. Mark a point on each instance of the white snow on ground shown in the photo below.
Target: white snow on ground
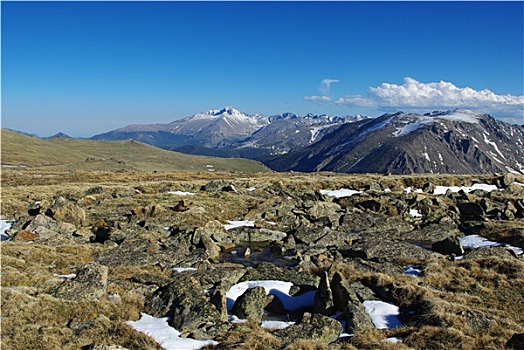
{"x": 168, "y": 337}
{"x": 443, "y": 189}
{"x": 251, "y": 189}
{"x": 276, "y": 324}
{"x": 278, "y": 288}
{"x": 518, "y": 183}
{"x": 383, "y": 315}
{"x": 71, "y": 275}
{"x": 181, "y": 193}
{"x": 411, "y": 271}
{"x": 393, "y": 340}
{"x": 411, "y": 189}
{"x": 234, "y": 224}
{"x": 269, "y": 324}
{"x": 4, "y": 226}
{"x": 476, "y": 241}
{"x": 415, "y": 213}
{"x": 182, "y": 269}
{"x": 343, "y": 192}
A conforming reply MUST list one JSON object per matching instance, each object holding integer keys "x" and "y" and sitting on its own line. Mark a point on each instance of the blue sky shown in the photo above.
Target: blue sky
{"x": 88, "y": 67}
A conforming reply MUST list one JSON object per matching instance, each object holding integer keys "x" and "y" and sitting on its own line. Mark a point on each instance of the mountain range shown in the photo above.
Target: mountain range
{"x": 455, "y": 141}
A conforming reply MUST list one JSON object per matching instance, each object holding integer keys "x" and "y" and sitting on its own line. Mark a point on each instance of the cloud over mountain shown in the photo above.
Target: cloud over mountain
{"x": 413, "y": 94}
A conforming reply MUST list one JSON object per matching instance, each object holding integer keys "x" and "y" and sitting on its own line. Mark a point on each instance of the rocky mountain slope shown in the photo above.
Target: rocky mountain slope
{"x": 231, "y": 133}
{"x": 458, "y": 141}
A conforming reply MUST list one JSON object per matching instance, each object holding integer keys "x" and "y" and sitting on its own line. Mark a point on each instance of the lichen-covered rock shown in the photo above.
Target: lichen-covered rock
{"x": 141, "y": 252}
{"x": 369, "y": 248}
{"x": 323, "y": 301}
{"x": 250, "y": 305}
{"x": 346, "y": 301}
{"x": 49, "y": 223}
{"x": 90, "y": 283}
{"x": 314, "y": 327}
{"x": 67, "y": 211}
{"x": 212, "y": 249}
{"x": 309, "y": 234}
{"x": 186, "y": 303}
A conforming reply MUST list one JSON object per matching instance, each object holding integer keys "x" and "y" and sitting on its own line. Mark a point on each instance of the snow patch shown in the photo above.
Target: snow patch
{"x": 411, "y": 270}
{"x": 460, "y": 115}
{"x": 475, "y": 241}
{"x": 183, "y": 269}
{"x": 71, "y": 275}
{"x": 4, "y": 226}
{"x": 415, "y": 213}
{"x": 167, "y": 336}
{"x": 181, "y": 193}
{"x": 343, "y": 192}
{"x": 384, "y": 315}
{"x": 411, "y": 189}
{"x": 489, "y": 142}
{"x": 234, "y": 224}
{"x": 439, "y": 190}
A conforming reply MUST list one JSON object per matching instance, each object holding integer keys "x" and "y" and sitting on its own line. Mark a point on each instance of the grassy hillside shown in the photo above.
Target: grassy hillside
{"x": 73, "y": 154}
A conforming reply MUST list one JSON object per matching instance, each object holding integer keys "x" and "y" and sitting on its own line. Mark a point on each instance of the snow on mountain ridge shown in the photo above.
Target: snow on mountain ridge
{"x": 414, "y": 122}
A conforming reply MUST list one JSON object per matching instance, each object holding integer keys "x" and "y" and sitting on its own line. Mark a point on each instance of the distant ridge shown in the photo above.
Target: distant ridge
{"x": 59, "y": 135}
{"x": 457, "y": 141}
{"x": 231, "y": 133}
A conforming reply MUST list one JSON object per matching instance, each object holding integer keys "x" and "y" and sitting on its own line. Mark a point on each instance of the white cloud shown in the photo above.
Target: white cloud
{"x": 317, "y": 98}
{"x": 413, "y": 94}
{"x": 442, "y": 94}
{"x": 325, "y": 85}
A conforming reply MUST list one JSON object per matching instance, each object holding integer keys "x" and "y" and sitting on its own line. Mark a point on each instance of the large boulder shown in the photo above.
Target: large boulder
{"x": 44, "y": 221}
{"x": 448, "y": 246}
{"x": 90, "y": 283}
{"x": 250, "y": 305}
{"x": 67, "y": 211}
{"x": 346, "y": 301}
{"x": 370, "y": 248}
{"x": 186, "y": 303}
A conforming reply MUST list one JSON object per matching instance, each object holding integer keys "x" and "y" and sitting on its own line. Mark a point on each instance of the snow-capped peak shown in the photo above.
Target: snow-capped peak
{"x": 218, "y": 113}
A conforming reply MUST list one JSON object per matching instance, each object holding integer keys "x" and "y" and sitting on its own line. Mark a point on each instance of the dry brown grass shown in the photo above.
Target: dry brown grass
{"x": 40, "y": 321}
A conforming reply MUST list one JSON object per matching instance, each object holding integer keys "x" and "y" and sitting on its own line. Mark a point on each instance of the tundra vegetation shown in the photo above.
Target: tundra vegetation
{"x": 89, "y": 251}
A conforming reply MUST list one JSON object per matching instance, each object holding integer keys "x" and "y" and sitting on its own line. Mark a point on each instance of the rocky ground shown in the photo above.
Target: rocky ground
{"x": 89, "y": 252}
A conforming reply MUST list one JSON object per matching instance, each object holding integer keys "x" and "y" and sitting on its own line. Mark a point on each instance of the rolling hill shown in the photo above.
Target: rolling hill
{"x": 59, "y": 153}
